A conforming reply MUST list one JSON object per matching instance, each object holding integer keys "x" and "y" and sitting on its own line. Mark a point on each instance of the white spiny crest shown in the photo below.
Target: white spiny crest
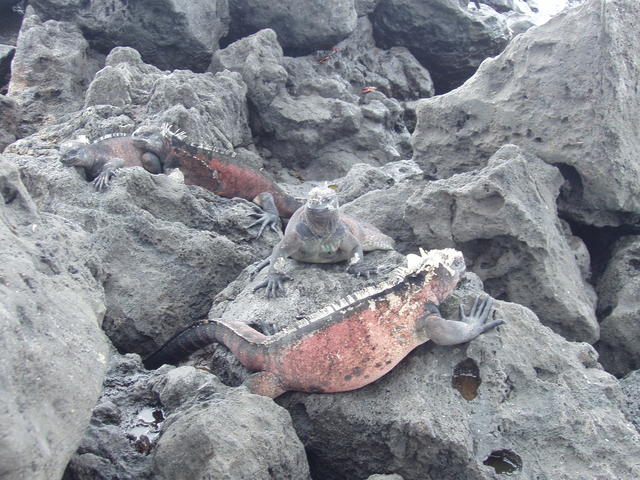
{"x": 168, "y": 131}
{"x": 82, "y": 139}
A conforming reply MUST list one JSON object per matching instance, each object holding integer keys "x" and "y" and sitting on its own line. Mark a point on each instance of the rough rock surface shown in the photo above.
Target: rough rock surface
{"x": 8, "y": 121}
{"x": 169, "y": 33}
{"x": 446, "y": 36}
{"x": 619, "y": 308}
{"x": 630, "y": 385}
{"x": 564, "y": 97}
{"x": 313, "y": 116}
{"x": 503, "y": 218}
{"x": 6, "y": 55}
{"x": 184, "y": 424}
{"x": 538, "y": 394}
{"x": 302, "y": 25}
{"x": 53, "y": 354}
{"x": 50, "y": 72}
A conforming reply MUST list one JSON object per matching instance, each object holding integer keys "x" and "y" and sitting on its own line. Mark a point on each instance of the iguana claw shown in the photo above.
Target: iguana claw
{"x": 363, "y": 269}
{"x": 274, "y": 284}
{"x": 478, "y": 316}
{"x": 266, "y": 219}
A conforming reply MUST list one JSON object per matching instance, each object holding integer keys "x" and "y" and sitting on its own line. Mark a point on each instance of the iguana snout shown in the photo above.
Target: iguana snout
{"x": 322, "y": 199}
{"x": 74, "y": 153}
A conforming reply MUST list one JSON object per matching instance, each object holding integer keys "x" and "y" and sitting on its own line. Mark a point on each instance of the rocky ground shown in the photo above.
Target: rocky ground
{"x": 443, "y": 123}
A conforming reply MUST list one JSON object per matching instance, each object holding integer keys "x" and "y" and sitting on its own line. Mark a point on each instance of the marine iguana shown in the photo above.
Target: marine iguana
{"x": 351, "y": 343}
{"x": 319, "y": 233}
{"x": 102, "y": 158}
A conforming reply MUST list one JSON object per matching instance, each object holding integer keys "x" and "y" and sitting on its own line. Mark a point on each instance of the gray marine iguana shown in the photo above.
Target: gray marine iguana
{"x": 157, "y": 149}
{"x": 348, "y": 344}
{"x": 318, "y": 233}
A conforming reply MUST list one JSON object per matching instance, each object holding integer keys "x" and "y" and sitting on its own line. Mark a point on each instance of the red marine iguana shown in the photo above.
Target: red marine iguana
{"x": 351, "y": 343}
{"x": 319, "y": 233}
{"x": 102, "y": 158}
{"x": 160, "y": 148}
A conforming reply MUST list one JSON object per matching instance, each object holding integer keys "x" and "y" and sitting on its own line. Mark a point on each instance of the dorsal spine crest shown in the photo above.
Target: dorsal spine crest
{"x": 178, "y": 137}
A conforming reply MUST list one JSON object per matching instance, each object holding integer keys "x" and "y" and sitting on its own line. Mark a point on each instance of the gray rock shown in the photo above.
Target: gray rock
{"x": 564, "y": 97}
{"x": 365, "y": 7}
{"x": 504, "y": 219}
{"x": 50, "y": 72}
{"x": 313, "y": 117}
{"x": 183, "y": 423}
{"x": 385, "y": 477}
{"x": 53, "y": 354}
{"x": 8, "y": 121}
{"x": 619, "y": 308}
{"x": 169, "y": 33}
{"x": 448, "y": 38}
{"x": 630, "y": 385}
{"x": 537, "y": 396}
{"x": 302, "y": 26}
{"x": 6, "y": 55}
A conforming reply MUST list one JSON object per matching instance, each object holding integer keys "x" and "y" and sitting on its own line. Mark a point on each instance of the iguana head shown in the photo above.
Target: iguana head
{"x": 75, "y": 153}
{"x": 150, "y": 138}
{"x": 322, "y": 199}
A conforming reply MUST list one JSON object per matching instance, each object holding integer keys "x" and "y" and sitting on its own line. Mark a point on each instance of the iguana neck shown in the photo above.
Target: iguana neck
{"x": 322, "y": 222}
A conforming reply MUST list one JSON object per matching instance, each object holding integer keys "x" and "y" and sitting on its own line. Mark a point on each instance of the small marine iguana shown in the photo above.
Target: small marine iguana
{"x": 102, "y": 158}
{"x": 319, "y": 233}
{"x": 351, "y": 343}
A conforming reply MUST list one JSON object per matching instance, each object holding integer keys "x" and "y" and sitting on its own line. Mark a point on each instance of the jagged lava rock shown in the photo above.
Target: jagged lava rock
{"x": 169, "y": 33}
{"x": 503, "y": 218}
{"x": 50, "y": 72}
{"x": 8, "y": 121}
{"x": 538, "y": 395}
{"x": 195, "y": 427}
{"x": 446, "y": 36}
{"x": 302, "y": 25}
{"x": 53, "y": 354}
{"x": 565, "y": 92}
{"x": 630, "y": 385}
{"x": 619, "y": 308}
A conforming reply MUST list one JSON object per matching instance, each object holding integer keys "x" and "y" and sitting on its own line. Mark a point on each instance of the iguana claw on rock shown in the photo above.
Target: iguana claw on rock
{"x": 348, "y": 344}
{"x": 319, "y": 233}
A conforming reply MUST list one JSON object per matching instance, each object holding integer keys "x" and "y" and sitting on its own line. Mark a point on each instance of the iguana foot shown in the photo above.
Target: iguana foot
{"x": 256, "y": 267}
{"x": 266, "y": 219}
{"x": 363, "y": 269}
{"x": 478, "y": 316}
{"x": 274, "y": 284}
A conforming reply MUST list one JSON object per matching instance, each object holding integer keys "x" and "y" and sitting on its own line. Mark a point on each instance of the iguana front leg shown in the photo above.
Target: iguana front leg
{"x": 274, "y": 284}
{"x": 452, "y": 332}
{"x": 106, "y": 174}
{"x": 268, "y": 216}
{"x": 357, "y": 266}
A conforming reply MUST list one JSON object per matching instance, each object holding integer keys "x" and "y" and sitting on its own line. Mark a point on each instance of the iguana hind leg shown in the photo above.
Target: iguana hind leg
{"x": 264, "y": 383}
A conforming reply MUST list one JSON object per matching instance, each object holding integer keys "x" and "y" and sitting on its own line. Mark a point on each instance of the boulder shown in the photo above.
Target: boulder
{"x": 630, "y": 385}
{"x": 6, "y": 55}
{"x": 447, "y": 37}
{"x": 619, "y": 308}
{"x": 313, "y": 116}
{"x": 53, "y": 354}
{"x": 303, "y": 26}
{"x": 529, "y": 396}
{"x": 50, "y": 72}
{"x": 567, "y": 98}
{"x": 168, "y": 33}
{"x": 504, "y": 219}
{"x": 182, "y": 424}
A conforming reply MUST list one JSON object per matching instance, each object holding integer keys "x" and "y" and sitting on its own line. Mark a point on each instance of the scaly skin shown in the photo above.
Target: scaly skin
{"x": 351, "y": 343}
{"x": 103, "y": 158}
{"x": 319, "y": 233}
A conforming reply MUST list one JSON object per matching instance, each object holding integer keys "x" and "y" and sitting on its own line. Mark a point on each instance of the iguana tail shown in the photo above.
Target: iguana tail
{"x": 182, "y": 344}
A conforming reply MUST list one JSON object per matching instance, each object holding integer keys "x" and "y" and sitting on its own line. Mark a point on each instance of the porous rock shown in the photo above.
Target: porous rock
{"x": 503, "y": 218}
{"x": 630, "y": 385}
{"x": 619, "y": 308}
{"x": 313, "y": 116}
{"x": 169, "y": 33}
{"x": 6, "y": 55}
{"x": 53, "y": 354}
{"x": 447, "y": 37}
{"x": 8, "y": 121}
{"x": 183, "y": 424}
{"x": 50, "y": 71}
{"x": 537, "y": 396}
{"x": 567, "y": 98}
{"x": 302, "y": 25}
